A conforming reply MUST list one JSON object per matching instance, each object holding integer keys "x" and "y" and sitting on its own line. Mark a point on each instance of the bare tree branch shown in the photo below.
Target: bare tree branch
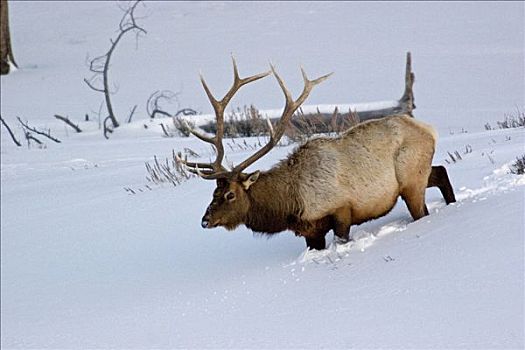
{"x": 48, "y": 134}
{"x": 68, "y": 122}
{"x": 131, "y": 114}
{"x": 107, "y": 129}
{"x": 96, "y": 65}
{"x": 153, "y": 103}
{"x": 30, "y": 138}
{"x": 150, "y": 102}
{"x": 10, "y": 132}
{"x": 186, "y": 111}
{"x": 165, "y": 131}
{"x": 158, "y": 111}
{"x": 93, "y": 87}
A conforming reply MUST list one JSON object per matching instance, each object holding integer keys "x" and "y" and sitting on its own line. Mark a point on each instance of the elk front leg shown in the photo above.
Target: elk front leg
{"x": 317, "y": 243}
{"x": 314, "y": 232}
{"x": 342, "y": 223}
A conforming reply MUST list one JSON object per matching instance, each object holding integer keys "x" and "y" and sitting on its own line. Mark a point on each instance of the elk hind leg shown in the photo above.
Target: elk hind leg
{"x": 415, "y": 201}
{"x": 439, "y": 178}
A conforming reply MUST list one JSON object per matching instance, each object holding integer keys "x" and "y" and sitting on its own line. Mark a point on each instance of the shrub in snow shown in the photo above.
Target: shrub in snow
{"x": 518, "y": 167}
{"x": 510, "y": 121}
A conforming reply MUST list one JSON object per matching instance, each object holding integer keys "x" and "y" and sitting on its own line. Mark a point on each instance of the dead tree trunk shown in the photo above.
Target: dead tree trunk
{"x": 6, "y": 51}
{"x": 100, "y": 65}
{"x": 405, "y": 105}
{"x": 406, "y": 102}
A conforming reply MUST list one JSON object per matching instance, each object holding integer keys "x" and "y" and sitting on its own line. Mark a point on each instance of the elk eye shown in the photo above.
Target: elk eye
{"x": 230, "y": 196}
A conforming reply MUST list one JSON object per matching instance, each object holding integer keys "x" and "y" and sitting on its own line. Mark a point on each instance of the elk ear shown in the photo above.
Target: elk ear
{"x": 250, "y": 179}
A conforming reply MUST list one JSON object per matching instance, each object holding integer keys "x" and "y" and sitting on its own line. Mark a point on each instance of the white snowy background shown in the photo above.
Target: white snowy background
{"x": 87, "y": 264}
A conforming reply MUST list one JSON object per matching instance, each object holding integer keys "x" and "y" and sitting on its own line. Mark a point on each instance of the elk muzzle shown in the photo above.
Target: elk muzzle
{"x": 206, "y": 219}
{"x": 205, "y": 222}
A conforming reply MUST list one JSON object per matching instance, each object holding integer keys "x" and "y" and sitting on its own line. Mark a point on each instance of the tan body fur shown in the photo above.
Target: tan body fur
{"x": 331, "y": 183}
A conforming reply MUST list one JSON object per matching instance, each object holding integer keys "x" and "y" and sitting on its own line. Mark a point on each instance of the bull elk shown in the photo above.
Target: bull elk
{"x": 327, "y": 183}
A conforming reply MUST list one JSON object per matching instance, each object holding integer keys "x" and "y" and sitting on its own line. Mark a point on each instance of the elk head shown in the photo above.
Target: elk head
{"x": 231, "y": 200}
{"x": 230, "y": 203}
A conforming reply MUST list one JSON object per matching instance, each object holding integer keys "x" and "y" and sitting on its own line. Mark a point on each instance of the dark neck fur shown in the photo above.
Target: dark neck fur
{"x": 273, "y": 204}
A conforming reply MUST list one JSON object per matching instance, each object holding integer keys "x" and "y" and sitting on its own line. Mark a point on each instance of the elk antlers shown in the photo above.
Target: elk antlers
{"x": 215, "y": 170}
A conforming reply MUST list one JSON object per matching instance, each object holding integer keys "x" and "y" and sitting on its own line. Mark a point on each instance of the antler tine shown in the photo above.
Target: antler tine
{"x": 208, "y": 171}
{"x": 309, "y": 85}
{"x": 212, "y": 99}
{"x": 190, "y": 165}
{"x": 289, "y": 109}
{"x": 208, "y": 175}
{"x": 287, "y": 94}
{"x": 219, "y": 106}
{"x": 235, "y": 70}
{"x": 239, "y": 82}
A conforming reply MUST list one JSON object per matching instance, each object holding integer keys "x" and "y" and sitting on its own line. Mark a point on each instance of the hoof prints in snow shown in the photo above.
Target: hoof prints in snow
{"x": 361, "y": 241}
{"x": 500, "y": 181}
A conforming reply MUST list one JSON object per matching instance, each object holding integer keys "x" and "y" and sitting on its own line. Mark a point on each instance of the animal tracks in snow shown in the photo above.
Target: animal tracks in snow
{"x": 362, "y": 240}
{"x": 501, "y": 180}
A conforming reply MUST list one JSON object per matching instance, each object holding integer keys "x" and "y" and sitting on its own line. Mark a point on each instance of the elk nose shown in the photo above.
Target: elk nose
{"x": 205, "y": 223}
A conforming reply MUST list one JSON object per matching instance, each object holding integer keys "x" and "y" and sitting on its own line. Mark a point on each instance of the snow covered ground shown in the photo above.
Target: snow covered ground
{"x": 87, "y": 264}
